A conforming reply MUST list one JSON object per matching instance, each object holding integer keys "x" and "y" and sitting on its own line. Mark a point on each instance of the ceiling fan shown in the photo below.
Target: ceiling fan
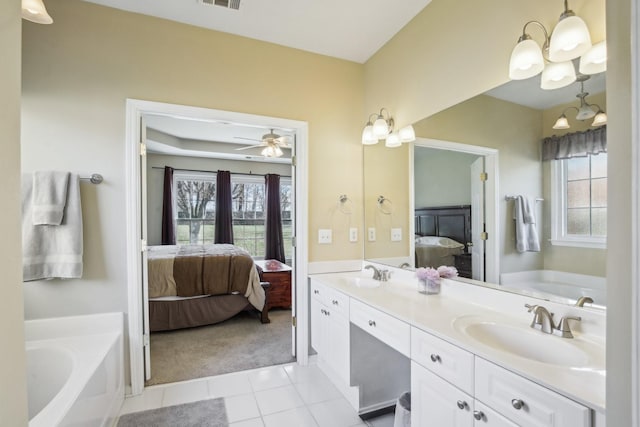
{"x": 272, "y": 143}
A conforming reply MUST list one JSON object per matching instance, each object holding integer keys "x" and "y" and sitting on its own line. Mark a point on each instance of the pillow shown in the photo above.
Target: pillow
{"x": 443, "y": 242}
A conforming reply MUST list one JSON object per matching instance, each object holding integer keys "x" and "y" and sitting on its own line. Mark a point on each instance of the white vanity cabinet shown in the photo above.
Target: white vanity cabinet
{"x": 330, "y": 329}
{"x": 391, "y": 331}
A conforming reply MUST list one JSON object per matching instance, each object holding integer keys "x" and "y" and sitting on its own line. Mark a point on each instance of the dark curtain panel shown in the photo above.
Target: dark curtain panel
{"x": 168, "y": 229}
{"x": 273, "y": 232}
{"x": 224, "y": 208}
{"x": 576, "y": 144}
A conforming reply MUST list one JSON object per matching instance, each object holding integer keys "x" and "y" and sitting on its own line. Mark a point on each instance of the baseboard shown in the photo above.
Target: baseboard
{"x": 377, "y": 410}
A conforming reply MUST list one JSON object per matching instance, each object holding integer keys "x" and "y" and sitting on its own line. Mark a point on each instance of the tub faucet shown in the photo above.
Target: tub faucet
{"x": 542, "y": 319}
{"x": 582, "y": 300}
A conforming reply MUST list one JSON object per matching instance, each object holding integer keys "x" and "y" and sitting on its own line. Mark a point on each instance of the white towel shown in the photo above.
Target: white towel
{"x": 526, "y": 233}
{"x": 52, "y": 251}
{"x": 49, "y": 197}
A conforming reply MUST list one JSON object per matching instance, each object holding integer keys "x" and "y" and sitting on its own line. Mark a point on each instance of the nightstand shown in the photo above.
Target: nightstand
{"x": 279, "y": 275}
{"x": 463, "y": 265}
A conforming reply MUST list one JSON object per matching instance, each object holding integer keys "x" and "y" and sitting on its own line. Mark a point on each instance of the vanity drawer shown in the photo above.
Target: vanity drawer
{"x": 444, "y": 359}
{"x": 505, "y": 392}
{"x": 388, "y": 329}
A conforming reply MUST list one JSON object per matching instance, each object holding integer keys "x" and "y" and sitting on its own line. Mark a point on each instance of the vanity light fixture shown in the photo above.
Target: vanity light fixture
{"x": 34, "y": 11}
{"x": 584, "y": 112}
{"x": 382, "y": 127}
{"x": 570, "y": 39}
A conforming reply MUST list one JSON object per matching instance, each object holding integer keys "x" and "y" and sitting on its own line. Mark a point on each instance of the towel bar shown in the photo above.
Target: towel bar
{"x": 510, "y": 197}
{"x": 95, "y": 178}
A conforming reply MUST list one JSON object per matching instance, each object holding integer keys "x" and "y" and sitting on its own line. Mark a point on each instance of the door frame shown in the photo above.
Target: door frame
{"x": 135, "y": 109}
{"x": 492, "y": 248}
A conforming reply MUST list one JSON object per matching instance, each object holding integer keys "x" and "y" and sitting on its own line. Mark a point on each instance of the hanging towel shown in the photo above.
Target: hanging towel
{"x": 526, "y": 233}
{"x": 49, "y": 197}
{"x": 52, "y": 251}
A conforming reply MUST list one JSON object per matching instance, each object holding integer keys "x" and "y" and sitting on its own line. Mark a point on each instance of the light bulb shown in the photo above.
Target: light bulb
{"x": 380, "y": 128}
{"x": 594, "y": 60}
{"x": 526, "y": 60}
{"x": 407, "y": 134}
{"x": 367, "y": 135}
{"x": 34, "y": 11}
{"x": 557, "y": 75}
{"x": 569, "y": 40}
{"x": 600, "y": 119}
{"x": 562, "y": 123}
{"x": 393, "y": 140}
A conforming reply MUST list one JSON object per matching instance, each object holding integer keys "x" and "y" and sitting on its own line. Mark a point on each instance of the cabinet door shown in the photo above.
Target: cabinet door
{"x": 435, "y": 402}
{"x": 317, "y": 319}
{"x": 487, "y": 417}
{"x": 338, "y": 344}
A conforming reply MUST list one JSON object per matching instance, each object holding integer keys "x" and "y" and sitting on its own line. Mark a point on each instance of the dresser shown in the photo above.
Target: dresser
{"x": 279, "y": 275}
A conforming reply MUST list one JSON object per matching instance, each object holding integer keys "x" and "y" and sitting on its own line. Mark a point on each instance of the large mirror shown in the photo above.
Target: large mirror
{"x": 431, "y": 202}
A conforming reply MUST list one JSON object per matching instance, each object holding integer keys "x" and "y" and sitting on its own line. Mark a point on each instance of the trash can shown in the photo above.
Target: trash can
{"x": 403, "y": 411}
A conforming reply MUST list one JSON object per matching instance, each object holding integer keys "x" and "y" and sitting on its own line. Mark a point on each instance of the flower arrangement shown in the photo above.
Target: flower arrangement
{"x": 429, "y": 278}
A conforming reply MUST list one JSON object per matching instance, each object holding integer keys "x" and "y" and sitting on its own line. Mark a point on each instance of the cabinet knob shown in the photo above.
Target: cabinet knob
{"x": 462, "y": 404}
{"x": 435, "y": 358}
{"x": 315, "y": 291}
{"x": 478, "y": 415}
{"x": 372, "y": 323}
{"x": 517, "y": 403}
{"x": 334, "y": 302}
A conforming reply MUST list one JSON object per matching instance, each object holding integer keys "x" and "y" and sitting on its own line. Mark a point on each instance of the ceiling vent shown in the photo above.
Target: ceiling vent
{"x": 230, "y": 4}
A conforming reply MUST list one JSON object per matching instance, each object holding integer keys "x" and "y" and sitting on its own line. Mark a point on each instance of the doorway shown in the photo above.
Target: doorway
{"x": 136, "y": 175}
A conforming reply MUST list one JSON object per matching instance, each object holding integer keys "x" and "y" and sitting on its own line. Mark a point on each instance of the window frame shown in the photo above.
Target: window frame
{"x": 189, "y": 176}
{"x": 559, "y": 236}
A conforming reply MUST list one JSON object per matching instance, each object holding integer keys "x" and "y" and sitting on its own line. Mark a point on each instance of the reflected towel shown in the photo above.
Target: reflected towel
{"x": 52, "y": 251}
{"x": 49, "y": 197}
{"x": 526, "y": 233}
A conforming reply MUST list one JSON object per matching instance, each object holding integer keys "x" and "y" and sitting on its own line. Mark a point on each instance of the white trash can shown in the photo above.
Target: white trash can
{"x": 403, "y": 411}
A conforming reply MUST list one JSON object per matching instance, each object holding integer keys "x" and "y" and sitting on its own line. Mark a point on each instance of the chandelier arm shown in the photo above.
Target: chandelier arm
{"x": 547, "y": 39}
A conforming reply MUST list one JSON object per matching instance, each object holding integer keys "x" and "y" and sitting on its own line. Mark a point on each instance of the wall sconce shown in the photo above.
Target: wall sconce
{"x": 383, "y": 128}
{"x": 570, "y": 39}
{"x": 34, "y": 11}
{"x": 584, "y": 112}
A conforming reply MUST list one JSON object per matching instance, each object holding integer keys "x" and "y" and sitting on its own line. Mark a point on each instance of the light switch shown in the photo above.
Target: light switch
{"x": 396, "y": 234}
{"x": 324, "y": 236}
{"x": 371, "y": 234}
{"x": 353, "y": 234}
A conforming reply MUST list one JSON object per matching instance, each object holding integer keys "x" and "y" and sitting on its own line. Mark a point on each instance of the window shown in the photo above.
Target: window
{"x": 194, "y": 207}
{"x": 579, "y": 193}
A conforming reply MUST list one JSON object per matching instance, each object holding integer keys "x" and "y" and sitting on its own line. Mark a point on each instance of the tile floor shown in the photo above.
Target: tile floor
{"x": 278, "y": 396}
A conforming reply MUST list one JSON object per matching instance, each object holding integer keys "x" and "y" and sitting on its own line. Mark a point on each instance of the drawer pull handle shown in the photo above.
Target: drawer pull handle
{"x": 315, "y": 291}
{"x": 435, "y": 358}
{"x": 372, "y": 323}
{"x": 462, "y": 404}
{"x": 323, "y": 311}
{"x": 478, "y": 415}
{"x": 517, "y": 403}
{"x": 334, "y": 302}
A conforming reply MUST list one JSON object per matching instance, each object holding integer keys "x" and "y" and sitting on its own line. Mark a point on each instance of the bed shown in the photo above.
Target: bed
{"x": 196, "y": 285}
{"x": 442, "y": 234}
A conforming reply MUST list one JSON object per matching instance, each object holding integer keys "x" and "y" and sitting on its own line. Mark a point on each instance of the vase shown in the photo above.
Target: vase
{"x": 429, "y": 287}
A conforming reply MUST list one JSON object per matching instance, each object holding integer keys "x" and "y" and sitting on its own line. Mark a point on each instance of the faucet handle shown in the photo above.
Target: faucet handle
{"x": 385, "y": 275}
{"x": 530, "y": 307}
{"x": 563, "y": 328}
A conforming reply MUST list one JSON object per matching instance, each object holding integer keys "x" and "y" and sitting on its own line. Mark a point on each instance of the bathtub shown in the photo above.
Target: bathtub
{"x": 75, "y": 371}
{"x": 557, "y": 286}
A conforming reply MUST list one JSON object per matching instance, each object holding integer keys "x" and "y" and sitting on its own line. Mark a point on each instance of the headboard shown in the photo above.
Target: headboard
{"x": 445, "y": 221}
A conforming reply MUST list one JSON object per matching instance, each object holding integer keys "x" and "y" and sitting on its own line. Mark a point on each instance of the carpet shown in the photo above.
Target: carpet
{"x": 237, "y": 344}
{"x": 205, "y": 413}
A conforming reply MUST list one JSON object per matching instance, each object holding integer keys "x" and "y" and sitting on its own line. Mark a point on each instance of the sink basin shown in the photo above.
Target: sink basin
{"x": 531, "y": 344}
{"x": 361, "y": 282}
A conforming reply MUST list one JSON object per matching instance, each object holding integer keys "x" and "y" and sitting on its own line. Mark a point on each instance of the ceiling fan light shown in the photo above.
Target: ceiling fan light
{"x": 268, "y": 151}
{"x": 526, "y": 60}
{"x": 595, "y": 59}
{"x": 393, "y": 140}
{"x": 557, "y": 74}
{"x": 569, "y": 40}
{"x": 380, "y": 128}
{"x": 562, "y": 123}
{"x": 34, "y": 11}
{"x": 407, "y": 134}
{"x": 367, "y": 135}
{"x": 600, "y": 119}
{"x": 277, "y": 151}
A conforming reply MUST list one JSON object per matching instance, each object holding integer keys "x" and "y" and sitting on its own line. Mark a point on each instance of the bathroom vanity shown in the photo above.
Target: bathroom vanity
{"x": 468, "y": 355}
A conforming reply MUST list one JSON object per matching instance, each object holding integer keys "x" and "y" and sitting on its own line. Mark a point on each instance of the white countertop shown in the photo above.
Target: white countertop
{"x": 436, "y": 314}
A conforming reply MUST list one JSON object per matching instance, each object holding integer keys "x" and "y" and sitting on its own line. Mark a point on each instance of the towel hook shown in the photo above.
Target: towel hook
{"x": 384, "y": 205}
{"x": 344, "y": 204}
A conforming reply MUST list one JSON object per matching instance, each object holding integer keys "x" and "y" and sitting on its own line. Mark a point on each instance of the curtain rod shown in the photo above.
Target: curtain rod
{"x": 205, "y": 171}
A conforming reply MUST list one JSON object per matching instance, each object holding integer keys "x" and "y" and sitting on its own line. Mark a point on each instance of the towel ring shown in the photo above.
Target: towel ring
{"x": 344, "y": 204}
{"x": 384, "y": 205}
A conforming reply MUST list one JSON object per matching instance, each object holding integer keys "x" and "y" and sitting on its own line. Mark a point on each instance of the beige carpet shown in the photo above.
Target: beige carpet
{"x": 239, "y": 343}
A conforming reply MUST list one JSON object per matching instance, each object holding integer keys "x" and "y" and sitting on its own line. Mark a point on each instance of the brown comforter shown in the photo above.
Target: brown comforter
{"x": 194, "y": 270}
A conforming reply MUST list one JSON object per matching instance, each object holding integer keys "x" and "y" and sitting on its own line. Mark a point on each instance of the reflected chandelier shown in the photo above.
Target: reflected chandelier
{"x": 383, "y": 128}
{"x": 584, "y": 112}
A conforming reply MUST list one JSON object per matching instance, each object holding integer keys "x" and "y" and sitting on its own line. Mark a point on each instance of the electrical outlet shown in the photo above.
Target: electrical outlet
{"x": 324, "y": 236}
{"x": 353, "y": 234}
{"x": 371, "y": 234}
{"x": 396, "y": 234}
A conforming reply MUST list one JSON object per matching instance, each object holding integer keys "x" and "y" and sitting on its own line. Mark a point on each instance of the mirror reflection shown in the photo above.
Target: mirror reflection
{"x": 457, "y": 190}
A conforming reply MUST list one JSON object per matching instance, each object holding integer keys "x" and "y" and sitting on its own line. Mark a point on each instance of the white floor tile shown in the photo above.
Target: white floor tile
{"x": 334, "y": 413}
{"x": 317, "y": 391}
{"x": 266, "y": 378}
{"x": 298, "y": 417}
{"x": 151, "y": 398}
{"x": 191, "y": 391}
{"x": 301, "y": 374}
{"x": 229, "y": 385}
{"x": 278, "y": 399}
{"x": 255, "y": 422}
{"x": 241, "y": 407}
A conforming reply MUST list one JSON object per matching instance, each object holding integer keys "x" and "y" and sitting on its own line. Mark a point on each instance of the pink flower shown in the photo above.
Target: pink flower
{"x": 447, "y": 272}
{"x": 428, "y": 273}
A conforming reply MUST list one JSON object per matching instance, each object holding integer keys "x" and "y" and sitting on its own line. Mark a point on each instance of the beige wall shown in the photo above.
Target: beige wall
{"x": 13, "y": 392}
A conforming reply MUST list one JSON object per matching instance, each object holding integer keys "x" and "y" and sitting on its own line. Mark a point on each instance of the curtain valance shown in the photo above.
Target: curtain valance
{"x": 576, "y": 144}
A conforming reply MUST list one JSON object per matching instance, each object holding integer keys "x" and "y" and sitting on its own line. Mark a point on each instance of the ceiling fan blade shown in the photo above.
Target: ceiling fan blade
{"x": 249, "y": 147}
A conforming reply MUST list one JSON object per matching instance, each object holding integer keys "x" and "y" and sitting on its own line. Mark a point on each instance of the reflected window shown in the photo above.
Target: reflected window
{"x": 580, "y": 201}
{"x": 194, "y": 207}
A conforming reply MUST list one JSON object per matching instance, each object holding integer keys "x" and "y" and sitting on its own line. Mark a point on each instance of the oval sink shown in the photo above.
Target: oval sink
{"x": 525, "y": 342}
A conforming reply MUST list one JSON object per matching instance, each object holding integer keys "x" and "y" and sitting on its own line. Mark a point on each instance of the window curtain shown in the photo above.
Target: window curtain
{"x": 273, "y": 231}
{"x": 168, "y": 227}
{"x": 577, "y": 144}
{"x": 224, "y": 208}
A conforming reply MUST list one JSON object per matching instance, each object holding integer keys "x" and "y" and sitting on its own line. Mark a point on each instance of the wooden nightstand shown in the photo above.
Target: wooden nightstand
{"x": 279, "y": 275}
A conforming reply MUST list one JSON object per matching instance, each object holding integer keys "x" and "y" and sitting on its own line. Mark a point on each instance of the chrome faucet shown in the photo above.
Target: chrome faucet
{"x": 582, "y": 300}
{"x": 382, "y": 275}
{"x": 405, "y": 265}
{"x": 542, "y": 319}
